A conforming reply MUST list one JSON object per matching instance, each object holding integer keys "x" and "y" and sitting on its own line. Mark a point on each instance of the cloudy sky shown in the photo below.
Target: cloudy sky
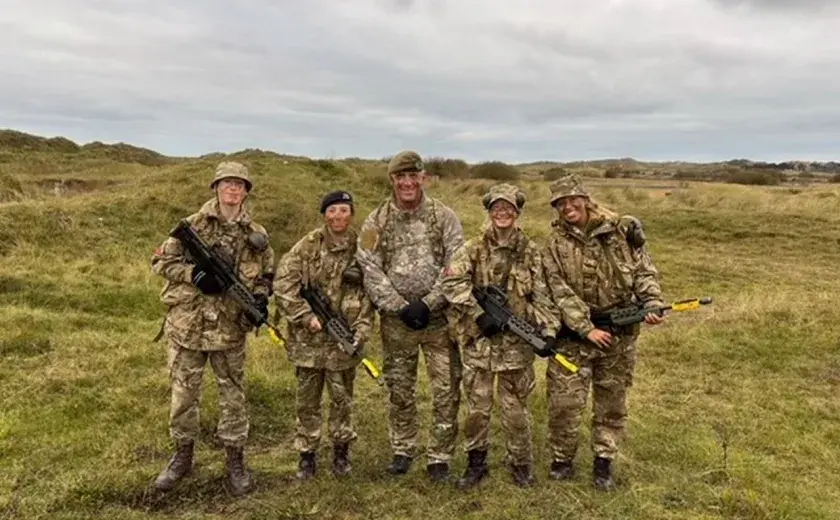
{"x": 476, "y": 79}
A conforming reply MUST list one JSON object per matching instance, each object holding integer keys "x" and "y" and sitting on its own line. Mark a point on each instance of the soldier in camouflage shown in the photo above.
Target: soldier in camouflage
{"x": 204, "y": 324}
{"x": 503, "y": 255}
{"x": 404, "y": 246}
{"x": 324, "y": 257}
{"x": 601, "y": 260}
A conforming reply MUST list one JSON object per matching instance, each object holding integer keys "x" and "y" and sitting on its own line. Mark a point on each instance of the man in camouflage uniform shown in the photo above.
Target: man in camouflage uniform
{"x": 204, "y": 324}
{"x": 597, "y": 258}
{"x": 404, "y": 246}
{"x": 324, "y": 258}
{"x": 504, "y": 256}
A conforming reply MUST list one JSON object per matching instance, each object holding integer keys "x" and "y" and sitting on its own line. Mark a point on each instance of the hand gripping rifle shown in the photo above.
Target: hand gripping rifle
{"x": 336, "y": 327}
{"x": 214, "y": 264}
{"x": 493, "y": 300}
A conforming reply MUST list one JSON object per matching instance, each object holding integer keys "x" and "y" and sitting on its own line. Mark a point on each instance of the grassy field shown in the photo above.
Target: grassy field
{"x": 734, "y": 413}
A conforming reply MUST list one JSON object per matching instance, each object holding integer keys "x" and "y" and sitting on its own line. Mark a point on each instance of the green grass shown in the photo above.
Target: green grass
{"x": 733, "y": 413}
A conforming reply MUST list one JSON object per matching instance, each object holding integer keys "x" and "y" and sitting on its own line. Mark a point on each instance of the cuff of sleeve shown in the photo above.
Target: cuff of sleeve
{"x": 586, "y": 329}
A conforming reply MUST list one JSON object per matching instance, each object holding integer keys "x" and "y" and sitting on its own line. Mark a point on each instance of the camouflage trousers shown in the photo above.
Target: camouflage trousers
{"x": 401, "y": 351}
{"x": 611, "y": 375}
{"x": 514, "y": 388}
{"x": 186, "y": 370}
{"x": 310, "y": 388}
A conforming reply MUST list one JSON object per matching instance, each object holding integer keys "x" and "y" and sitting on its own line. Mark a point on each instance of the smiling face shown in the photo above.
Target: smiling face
{"x": 573, "y": 210}
{"x": 408, "y": 186}
{"x": 503, "y": 214}
{"x": 231, "y": 191}
{"x": 338, "y": 217}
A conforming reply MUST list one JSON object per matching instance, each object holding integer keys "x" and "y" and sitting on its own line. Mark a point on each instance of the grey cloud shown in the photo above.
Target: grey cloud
{"x": 327, "y": 78}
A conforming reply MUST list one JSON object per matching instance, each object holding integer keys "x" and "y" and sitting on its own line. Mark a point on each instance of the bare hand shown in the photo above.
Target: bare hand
{"x": 600, "y": 337}
{"x": 314, "y": 324}
{"x": 653, "y": 318}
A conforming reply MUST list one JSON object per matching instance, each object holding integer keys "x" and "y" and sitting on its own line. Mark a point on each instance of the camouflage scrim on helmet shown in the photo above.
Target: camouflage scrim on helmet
{"x": 506, "y": 192}
{"x": 405, "y": 161}
{"x": 232, "y": 170}
{"x": 568, "y": 186}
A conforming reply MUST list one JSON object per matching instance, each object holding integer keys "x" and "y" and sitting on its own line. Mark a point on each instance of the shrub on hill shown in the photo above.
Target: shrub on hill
{"x": 494, "y": 170}
{"x": 447, "y": 168}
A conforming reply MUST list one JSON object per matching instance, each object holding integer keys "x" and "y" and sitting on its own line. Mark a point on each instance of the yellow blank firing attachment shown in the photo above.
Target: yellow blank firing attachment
{"x": 372, "y": 370}
{"x": 276, "y": 337}
{"x": 690, "y": 305}
{"x": 563, "y": 360}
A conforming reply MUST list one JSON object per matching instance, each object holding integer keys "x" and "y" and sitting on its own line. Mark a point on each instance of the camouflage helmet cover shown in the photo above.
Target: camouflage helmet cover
{"x": 567, "y": 186}
{"x": 232, "y": 170}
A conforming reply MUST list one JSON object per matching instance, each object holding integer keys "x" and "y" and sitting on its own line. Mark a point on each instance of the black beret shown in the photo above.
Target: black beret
{"x": 336, "y": 197}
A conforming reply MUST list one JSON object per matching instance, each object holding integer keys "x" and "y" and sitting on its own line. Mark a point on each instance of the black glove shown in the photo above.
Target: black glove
{"x": 549, "y": 349}
{"x": 488, "y": 325}
{"x": 206, "y": 282}
{"x": 415, "y": 315}
{"x": 261, "y": 301}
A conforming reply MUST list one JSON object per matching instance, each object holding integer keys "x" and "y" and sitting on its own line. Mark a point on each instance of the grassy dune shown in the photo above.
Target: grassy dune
{"x": 734, "y": 412}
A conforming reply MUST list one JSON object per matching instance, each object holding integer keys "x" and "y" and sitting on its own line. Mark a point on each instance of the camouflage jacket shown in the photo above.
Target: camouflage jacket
{"x": 316, "y": 259}
{"x": 403, "y": 254}
{"x": 212, "y": 322}
{"x": 599, "y": 267}
{"x": 484, "y": 261}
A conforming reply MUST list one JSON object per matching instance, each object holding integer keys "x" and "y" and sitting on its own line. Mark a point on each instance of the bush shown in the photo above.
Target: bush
{"x": 835, "y": 178}
{"x": 552, "y": 174}
{"x": 494, "y": 170}
{"x": 447, "y": 168}
{"x": 755, "y": 178}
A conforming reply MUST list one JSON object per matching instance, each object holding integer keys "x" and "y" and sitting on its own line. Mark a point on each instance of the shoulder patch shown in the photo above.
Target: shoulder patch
{"x": 369, "y": 239}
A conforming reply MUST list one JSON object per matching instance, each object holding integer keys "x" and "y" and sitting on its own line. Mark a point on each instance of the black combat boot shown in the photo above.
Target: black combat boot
{"x": 438, "y": 471}
{"x": 400, "y": 465}
{"x": 306, "y": 465}
{"x": 522, "y": 475}
{"x": 561, "y": 470}
{"x": 602, "y": 474}
{"x": 239, "y": 477}
{"x": 179, "y": 466}
{"x": 476, "y": 469}
{"x": 341, "y": 459}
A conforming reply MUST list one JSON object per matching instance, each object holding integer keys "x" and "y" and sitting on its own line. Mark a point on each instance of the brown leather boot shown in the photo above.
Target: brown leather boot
{"x": 179, "y": 466}
{"x": 239, "y": 477}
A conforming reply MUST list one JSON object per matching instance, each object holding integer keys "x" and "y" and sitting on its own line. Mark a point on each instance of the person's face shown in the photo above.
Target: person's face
{"x": 408, "y": 186}
{"x": 338, "y": 217}
{"x": 573, "y": 210}
{"x": 231, "y": 192}
{"x": 503, "y": 214}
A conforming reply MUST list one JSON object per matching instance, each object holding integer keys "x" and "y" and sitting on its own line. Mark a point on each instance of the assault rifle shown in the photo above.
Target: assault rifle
{"x": 336, "y": 327}
{"x": 214, "y": 263}
{"x": 634, "y": 313}
{"x": 493, "y": 300}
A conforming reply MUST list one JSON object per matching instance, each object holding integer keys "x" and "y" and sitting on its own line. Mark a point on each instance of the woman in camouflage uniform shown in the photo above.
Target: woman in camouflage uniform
{"x": 597, "y": 258}
{"x": 504, "y": 256}
{"x": 205, "y": 325}
{"x": 324, "y": 257}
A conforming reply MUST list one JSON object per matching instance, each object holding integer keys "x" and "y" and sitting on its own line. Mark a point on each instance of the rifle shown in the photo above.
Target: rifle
{"x": 634, "y": 313}
{"x": 336, "y": 326}
{"x": 213, "y": 261}
{"x": 493, "y": 300}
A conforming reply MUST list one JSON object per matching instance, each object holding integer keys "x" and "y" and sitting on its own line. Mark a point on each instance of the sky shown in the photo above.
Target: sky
{"x": 695, "y": 80}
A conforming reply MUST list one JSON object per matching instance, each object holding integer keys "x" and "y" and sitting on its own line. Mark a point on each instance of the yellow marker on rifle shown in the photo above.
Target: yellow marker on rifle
{"x": 275, "y": 335}
{"x": 563, "y": 360}
{"x": 372, "y": 370}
